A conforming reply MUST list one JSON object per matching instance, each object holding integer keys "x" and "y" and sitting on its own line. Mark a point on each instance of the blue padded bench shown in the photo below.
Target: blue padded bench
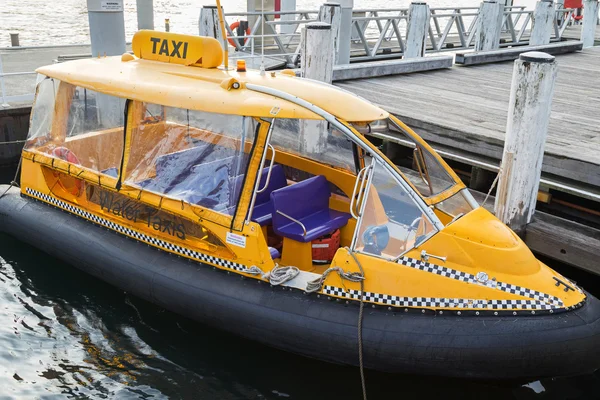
{"x": 263, "y": 207}
{"x": 308, "y": 203}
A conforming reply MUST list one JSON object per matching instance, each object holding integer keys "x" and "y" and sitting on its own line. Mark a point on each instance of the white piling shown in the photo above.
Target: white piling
{"x": 417, "y": 29}
{"x": 345, "y": 32}
{"x": 208, "y": 24}
{"x": 288, "y": 5}
{"x": 590, "y": 20}
{"x": 145, "y": 14}
{"x": 526, "y": 130}
{"x": 331, "y": 13}
{"x": 316, "y": 63}
{"x": 489, "y": 25}
{"x": 107, "y": 27}
{"x": 543, "y": 22}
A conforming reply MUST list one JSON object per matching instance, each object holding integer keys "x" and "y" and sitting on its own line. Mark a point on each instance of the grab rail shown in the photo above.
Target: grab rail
{"x": 356, "y": 186}
{"x": 270, "y": 168}
{"x": 293, "y": 220}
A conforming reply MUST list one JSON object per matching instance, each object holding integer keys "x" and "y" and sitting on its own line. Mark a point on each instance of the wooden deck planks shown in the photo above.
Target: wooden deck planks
{"x": 465, "y": 109}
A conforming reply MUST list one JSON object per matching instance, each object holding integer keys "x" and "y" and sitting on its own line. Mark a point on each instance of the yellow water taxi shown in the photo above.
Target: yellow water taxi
{"x": 254, "y": 203}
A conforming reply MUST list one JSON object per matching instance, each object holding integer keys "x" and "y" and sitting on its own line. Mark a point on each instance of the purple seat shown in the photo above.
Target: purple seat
{"x": 274, "y": 253}
{"x": 307, "y": 202}
{"x": 263, "y": 207}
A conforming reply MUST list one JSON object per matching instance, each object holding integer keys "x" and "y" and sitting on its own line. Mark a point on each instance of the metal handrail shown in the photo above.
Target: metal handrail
{"x": 360, "y": 190}
{"x": 270, "y": 169}
{"x": 293, "y": 220}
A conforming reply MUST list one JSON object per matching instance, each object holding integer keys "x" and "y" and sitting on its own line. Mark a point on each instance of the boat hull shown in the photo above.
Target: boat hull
{"x": 484, "y": 347}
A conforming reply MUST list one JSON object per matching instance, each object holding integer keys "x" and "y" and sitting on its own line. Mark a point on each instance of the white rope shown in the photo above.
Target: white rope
{"x": 493, "y": 186}
{"x": 277, "y": 276}
{"x": 315, "y": 285}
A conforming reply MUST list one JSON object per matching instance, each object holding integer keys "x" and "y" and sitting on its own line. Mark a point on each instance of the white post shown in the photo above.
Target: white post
{"x": 316, "y": 63}
{"x": 288, "y": 5}
{"x": 590, "y": 19}
{"x": 107, "y": 27}
{"x": 145, "y": 14}
{"x": 543, "y": 22}
{"x": 331, "y": 13}
{"x": 526, "y": 130}
{"x": 417, "y": 29}
{"x": 208, "y": 24}
{"x": 489, "y": 25}
{"x": 345, "y": 32}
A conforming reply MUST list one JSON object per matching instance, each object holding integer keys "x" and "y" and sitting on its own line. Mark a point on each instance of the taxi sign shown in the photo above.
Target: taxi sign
{"x": 175, "y": 48}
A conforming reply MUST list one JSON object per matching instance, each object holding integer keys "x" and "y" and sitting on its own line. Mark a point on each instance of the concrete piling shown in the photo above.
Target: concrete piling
{"x": 543, "y": 21}
{"x": 345, "y": 31}
{"x": 331, "y": 13}
{"x": 590, "y": 19}
{"x": 208, "y": 24}
{"x": 526, "y": 130}
{"x": 417, "y": 29}
{"x": 489, "y": 25}
{"x": 145, "y": 14}
{"x": 317, "y": 60}
{"x": 107, "y": 27}
{"x": 288, "y": 5}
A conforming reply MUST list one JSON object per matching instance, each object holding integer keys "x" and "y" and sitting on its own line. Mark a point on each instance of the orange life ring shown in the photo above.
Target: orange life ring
{"x": 70, "y": 184}
{"x": 233, "y": 27}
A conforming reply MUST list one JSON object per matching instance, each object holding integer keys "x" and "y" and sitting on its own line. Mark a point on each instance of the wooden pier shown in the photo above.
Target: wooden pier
{"x": 463, "y": 111}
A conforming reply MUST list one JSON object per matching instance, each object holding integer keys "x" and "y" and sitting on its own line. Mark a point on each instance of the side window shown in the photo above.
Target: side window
{"x": 335, "y": 150}
{"x": 91, "y": 111}
{"x": 197, "y": 157}
{"x": 86, "y": 128}
{"x": 391, "y": 222}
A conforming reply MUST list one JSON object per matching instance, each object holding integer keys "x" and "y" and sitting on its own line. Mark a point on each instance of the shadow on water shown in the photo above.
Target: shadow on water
{"x": 66, "y": 334}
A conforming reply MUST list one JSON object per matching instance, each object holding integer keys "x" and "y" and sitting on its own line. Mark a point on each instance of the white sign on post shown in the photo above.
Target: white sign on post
{"x": 105, "y": 5}
{"x": 111, "y": 5}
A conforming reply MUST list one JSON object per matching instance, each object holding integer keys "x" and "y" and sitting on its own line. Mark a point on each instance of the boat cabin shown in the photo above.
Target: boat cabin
{"x": 243, "y": 169}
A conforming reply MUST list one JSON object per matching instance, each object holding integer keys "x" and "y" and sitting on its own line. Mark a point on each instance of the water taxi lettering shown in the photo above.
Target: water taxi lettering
{"x": 135, "y": 212}
{"x": 171, "y": 51}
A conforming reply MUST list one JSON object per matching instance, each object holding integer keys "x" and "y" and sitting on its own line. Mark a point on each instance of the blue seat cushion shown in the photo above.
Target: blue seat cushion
{"x": 308, "y": 202}
{"x": 274, "y": 253}
{"x": 263, "y": 207}
{"x": 317, "y": 225}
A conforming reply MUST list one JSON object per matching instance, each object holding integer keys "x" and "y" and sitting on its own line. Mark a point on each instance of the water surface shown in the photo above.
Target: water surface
{"x": 64, "y": 334}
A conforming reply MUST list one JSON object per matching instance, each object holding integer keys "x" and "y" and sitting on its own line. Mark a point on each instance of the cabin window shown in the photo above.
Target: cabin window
{"x": 79, "y": 125}
{"x": 42, "y": 113}
{"x": 194, "y": 156}
{"x": 335, "y": 150}
{"x": 425, "y": 172}
{"x": 391, "y": 222}
{"x": 92, "y": 112}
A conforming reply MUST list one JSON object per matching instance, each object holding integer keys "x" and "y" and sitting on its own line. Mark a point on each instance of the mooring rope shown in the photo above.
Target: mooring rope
{"x": 14, "y": 142}
{"x": 315, "y": 285}
{"x": 493, "y": 186}
{"x": 277, "y": 276}
{"x": 14, "y": 181}
{"x": 360, "y": 320}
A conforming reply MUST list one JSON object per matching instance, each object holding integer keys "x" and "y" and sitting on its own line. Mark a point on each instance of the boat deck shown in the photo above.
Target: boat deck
{"x": 463, "y": 110}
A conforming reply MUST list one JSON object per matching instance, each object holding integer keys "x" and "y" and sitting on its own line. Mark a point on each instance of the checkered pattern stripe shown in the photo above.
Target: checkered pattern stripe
{"x": 174, "y": 248}
{"x": 466, "y": 277}
{"x": 435, "y": 302}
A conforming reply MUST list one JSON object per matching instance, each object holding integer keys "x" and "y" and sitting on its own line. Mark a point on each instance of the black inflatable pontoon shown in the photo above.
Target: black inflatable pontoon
{"x": 487, "y": 347}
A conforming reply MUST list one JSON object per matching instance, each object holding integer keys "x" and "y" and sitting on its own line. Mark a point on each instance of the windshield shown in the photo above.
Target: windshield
{"x": 391, "y": 222}
{"x": 422, "y": 169}
{"x": 425, "y": 172}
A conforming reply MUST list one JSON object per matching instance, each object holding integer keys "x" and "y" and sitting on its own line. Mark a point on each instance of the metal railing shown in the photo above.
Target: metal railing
{"x": 450, "y": 29}
{"x": 376, "y": 34}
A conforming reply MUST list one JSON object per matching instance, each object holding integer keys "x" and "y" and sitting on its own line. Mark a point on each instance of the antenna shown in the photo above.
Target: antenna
{"x": 224, "y": 33}
{"x": 262, "y": 54}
